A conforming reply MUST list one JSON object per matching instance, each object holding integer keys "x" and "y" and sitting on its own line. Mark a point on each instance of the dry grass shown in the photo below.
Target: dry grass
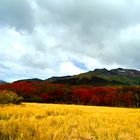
{"x": 31, "y": 121}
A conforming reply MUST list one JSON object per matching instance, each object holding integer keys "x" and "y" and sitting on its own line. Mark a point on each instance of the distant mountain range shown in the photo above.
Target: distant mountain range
{"x": 101, "y": 77}
{"x": 98, "y": 77}
{"x": 2, "y": 82}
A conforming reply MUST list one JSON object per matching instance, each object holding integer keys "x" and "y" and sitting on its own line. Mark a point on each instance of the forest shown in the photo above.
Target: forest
{"x": 45, "y": 92}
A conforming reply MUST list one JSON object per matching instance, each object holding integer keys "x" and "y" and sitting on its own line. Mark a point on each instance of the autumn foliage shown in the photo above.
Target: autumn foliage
{"x": 9, "y": 97}
{"x": 32, "y": 91}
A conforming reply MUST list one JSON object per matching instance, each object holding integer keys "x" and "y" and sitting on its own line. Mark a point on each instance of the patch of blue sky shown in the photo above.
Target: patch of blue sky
{"x": 79, "y": 65}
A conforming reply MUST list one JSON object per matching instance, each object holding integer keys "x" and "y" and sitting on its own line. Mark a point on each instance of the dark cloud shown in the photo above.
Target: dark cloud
{"x": 16, "y": 13}
{"x": 94, "y": 27}
{"x": 90, "y": 19}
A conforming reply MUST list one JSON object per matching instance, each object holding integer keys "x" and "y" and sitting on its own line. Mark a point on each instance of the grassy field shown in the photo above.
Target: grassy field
{"x": 31, "y": 121}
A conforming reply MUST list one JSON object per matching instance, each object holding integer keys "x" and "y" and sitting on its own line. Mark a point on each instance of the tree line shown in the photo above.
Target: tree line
{"x": 118, "y": 96}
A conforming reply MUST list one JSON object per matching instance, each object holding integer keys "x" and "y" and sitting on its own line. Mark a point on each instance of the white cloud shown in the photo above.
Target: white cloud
{"x": 68, "y": 68}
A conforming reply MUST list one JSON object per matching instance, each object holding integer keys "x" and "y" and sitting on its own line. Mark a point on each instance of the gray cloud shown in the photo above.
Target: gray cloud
{"x": 16, "y": 13}
{"x": 78, "y": 34}
{"x": 94, "y": 19}
{"x": 92, "y": 25}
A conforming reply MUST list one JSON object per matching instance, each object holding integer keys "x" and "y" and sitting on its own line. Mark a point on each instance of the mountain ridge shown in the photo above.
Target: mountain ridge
{"x": 97, "y": 77}
{"x": 2, "y": 82}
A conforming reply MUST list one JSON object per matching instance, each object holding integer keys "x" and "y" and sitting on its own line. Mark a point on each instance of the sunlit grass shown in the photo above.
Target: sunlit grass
{"x": 32, "y": 121}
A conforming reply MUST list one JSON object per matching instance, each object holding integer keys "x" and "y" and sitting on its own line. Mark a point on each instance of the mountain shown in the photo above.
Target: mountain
{"x": 2, "y": 82}
{"x": 29, "y": 80}
{"x": 97, "y": 77}
{"x": 101, "y": 77}
{"x": 53, "y": 79}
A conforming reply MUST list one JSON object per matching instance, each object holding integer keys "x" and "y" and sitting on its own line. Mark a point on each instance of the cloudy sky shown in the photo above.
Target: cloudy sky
{"x": 43, "y": 38}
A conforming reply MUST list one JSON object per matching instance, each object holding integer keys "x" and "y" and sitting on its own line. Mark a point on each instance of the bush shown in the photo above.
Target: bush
{"x": 7, "y": 97}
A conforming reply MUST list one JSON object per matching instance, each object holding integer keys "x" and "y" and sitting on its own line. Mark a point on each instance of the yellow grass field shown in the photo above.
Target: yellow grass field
{"x": 32, "y": 121}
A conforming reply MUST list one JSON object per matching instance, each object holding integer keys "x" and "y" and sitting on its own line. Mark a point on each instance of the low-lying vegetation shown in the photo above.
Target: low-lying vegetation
{"x": 117, "y": 96}
{"x": 9, "y": 97}
{"x": 32, "y": 121}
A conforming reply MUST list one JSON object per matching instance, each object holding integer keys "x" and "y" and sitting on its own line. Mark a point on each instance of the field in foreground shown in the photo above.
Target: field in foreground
{"x": 31, "y": 121}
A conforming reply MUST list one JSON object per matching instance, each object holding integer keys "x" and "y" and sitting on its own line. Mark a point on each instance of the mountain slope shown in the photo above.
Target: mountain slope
{"x": 101, "y": 77}
{"x": 29, "y": 80}
{"x": 2, "y": 82}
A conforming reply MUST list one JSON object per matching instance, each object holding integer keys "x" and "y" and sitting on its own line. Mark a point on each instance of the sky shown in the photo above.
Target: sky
{"x": 45, "y": 38}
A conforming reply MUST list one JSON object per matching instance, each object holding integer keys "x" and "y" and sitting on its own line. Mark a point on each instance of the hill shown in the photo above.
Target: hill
{"x": 2, "y": 82}
{"x": 97, "y": 77}
{"x": 101, "y": 77}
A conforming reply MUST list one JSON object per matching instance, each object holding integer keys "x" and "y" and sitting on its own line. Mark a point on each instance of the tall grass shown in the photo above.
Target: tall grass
{"x": 31, "y": 121}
